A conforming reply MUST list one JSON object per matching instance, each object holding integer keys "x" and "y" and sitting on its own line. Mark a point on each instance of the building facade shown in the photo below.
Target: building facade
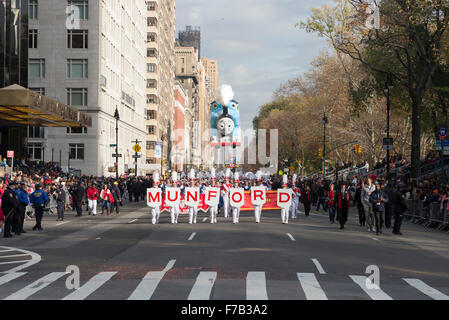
{"x": 160, "y": 74}
{"x": 82, "y": 57}
{"x": 212, "y": 77}
{"x": 190, "y": 37}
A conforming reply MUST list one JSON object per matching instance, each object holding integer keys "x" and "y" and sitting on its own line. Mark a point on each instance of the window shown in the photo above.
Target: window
{"x": 77, "y": 39}
{"x": 32, "y": 9}
{"x": 77, "y": 97}
{"x": 76, "y": 151}
{"x": 151, "y": 130}
{"x": 77, "y": 68}
{"x": 38, "y": 90}
{"x": 151, "y": 98}
{"x": 36, "y": 132}
{"x": 82, "y": 9}
{"x": 151, "y": 114}
{"x": 151, "y": 6}
{"x": 152, "y": 22}
{"x": 32, "y": 39}
{"x": 151, "y": 83}
{"x": 151, "y": 52}
{"x": 151, "y": 145}
{"x": 151, "y": 37}
{"x": 35, "y": 151}
{"x": 151, "y": 161}
{"x": 77, "y": 130}
{"x": 151, "y": 67}
{"x": 36, "y": 68}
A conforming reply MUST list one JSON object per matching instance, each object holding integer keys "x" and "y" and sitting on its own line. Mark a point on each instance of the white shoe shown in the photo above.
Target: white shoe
{"x": 190, "y": 222}
{"x": 373, "y": 230}
{"x": 286, "y": 222}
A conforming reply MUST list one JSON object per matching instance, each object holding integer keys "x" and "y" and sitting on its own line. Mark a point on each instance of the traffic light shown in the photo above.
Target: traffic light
{"x": 360, "y": 149}
{"x": 320, "y": 153}
{"x": 354, "y": 148}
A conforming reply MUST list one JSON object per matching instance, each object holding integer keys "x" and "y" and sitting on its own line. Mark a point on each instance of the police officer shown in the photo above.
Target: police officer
{"x": 22, "y": 196}
{"x": 60, "y": 200}
{"x": 38, "y": 198}
{"x": 10, "y": 205}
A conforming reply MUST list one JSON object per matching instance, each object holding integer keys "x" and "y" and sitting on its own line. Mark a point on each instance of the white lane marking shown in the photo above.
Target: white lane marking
{"x": 311, "y": 287}
{"x": 90, "y": 286}
{"x": 10, "y": 276}
{"x": 35, "y": 258}
{"x": 375, "y": 239}
{"x": 192, "y": 236}
{"x": 256, "y": 286}
{"x": 15, "y": 255}
{"x": 203, "y": 286}
{"x": 12, "y": 249}
{"x": 133, "y": 221}
{"x": 426, "y": 289}
{"x": 13, "y": 262}
{"x": 375, "y": 293}
{"x": 291, "y": 237}
{"x": 318, "y": 266}
{"x": 149, "y": 283}
{"x": 205, "y": 219}
{"x": 60, "y": 224}
{"x": 35, "y": 286}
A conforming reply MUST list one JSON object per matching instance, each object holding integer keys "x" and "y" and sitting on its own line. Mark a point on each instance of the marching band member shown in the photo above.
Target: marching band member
{"x": 296, "y": 195}
{"x": 236, "y": 210}
{"x": 225, "y": 188}
{"x": 156, "y": 212}
{"x": 174, "y": 211}
{"x": 193, "y": 211}
{"x": 258, "y": 209}
{"x": 213, "y": 209}
{"x": 285, "y": 211}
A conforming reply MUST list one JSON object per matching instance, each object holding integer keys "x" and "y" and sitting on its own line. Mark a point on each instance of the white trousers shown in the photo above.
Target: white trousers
{"x": 257, "y": 213}
{"x": 294, "y": 207}
{"x": 92, "y": 205}
{"x": 193, "y": 211}
{"x": 213, "y": 214}
{"x": 226, "y": 205}
{"x": 235, "y": 214}
{"x": 174, "y": 214}
{"x": 284, "y": 214}
{"x": 155, "y": 212}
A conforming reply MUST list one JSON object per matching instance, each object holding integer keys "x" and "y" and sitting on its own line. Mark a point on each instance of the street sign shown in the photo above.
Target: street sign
{"x": 438, "y": 145}
{"x": 137, "y": 148}
{"x": 116, "y": 155}
{"x": 112, "y": 145}
{"x": 137, "y": 156}
{"x": 442, "y": 133}
{"x": 10, "y": 154}
{"x": 388, "y": 144}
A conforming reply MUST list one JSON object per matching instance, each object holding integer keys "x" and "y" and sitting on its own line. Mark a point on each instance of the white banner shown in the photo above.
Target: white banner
{"x": 172, "y": 197}
{"x": 192, "y": 197}
{"x": 212, "y": 197}
{"x": 237, "y": 197}
{"x": 258, "y": 196}
{"x": 154, "y": 197}
{"x": 284, "y": 198}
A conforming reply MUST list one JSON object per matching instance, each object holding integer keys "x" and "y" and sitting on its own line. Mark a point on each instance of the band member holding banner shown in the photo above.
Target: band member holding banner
{"x": 237, "y": 199}
{"x": 154, "y": 199}
{"x": 225, "y": 188}
{"x": 296, "y": 195}
{"x": 173, "y": 198}
{"x": 258, "y": 196}
{"x": 285, "y": 200}
{"x": 192, "y": 198}
{"x": 212, "y": 197}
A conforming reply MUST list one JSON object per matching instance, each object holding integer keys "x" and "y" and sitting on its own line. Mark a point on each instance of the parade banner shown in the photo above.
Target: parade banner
{"x": 258, "y": 196}
{"x": 212, "y": 196}
{"x": 192, "y": 197}
{"x": 173, "y": 197}
{"x": 237, "y": 197}
{"x": 154, "y": 197}
{"x": 284, "y": 198}
{"x": 270, "y": 204}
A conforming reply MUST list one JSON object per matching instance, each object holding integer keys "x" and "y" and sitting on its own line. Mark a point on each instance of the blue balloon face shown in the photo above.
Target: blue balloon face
{"x": 233, "y": 115}
{"x": 215, "y": 107}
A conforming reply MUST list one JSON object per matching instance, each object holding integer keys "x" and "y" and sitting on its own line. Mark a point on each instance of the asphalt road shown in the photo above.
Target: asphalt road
{"x": 126, "y": 257}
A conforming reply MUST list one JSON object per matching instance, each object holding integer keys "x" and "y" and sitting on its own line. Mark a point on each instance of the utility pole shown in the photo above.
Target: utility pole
{"x": 388, "y": 87}
{"x": 117, "y": 118}
{"x": 136, "y": 156}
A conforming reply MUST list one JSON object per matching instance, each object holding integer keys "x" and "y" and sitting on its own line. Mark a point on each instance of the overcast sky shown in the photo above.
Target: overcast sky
{"x": 255, "y": 42}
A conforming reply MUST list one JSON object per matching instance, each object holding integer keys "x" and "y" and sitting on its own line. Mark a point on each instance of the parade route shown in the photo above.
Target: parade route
{"x": 309, "y": 258}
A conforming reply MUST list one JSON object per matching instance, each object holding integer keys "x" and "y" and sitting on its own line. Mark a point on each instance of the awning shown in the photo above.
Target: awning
{"x": 22, "y": 106}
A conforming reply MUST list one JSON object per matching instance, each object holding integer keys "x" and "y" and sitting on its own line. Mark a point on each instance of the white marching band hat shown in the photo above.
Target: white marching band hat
{"x": 156, "y": 176}
{"x": 192, "y": 175}
{"x": 228, "y": 173}
{"x": 259, "y": 175}
{"x": 236, "y": 177}
{"x": 175, "y": 177}
{"x": 285, "y": 180}
{"x": 212, "y": 173}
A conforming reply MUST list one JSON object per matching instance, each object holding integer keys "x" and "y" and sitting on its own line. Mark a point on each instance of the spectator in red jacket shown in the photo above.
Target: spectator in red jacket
{"x": 106, "y": 198}
{"x": 92, "y": 196}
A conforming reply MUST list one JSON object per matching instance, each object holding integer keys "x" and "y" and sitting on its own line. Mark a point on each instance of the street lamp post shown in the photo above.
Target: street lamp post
{"x": 52, "y": 153}
{"x": 117, "y": 118}
{"x": 388, "y": 87}
{"x": 324, "y": 122}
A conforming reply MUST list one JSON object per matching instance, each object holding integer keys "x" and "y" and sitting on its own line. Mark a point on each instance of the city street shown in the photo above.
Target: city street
{"x": 126, "y": 257}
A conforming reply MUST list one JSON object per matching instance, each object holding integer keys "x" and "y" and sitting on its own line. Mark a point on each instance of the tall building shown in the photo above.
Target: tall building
{"x": 212, "y": 77}
{"x": 190, "y": 37}
{"x": 182, "y": 119}
{"x": 160, "y": 74}
{"x": 91, "y": 55}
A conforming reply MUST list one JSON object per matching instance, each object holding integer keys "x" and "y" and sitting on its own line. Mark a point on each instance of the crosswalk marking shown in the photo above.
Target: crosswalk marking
{"x": 90, "y": 286}
{"x": 291, "y": 237}
{"x": 149, "y": 283}
{"x": 426, "y": 289}
{"x": 203, "y": 286}
{"x": 192, "y": 236}
{"x": 10, "y": 276}
{"x": 375, "y": 293}
{"x": 35, "y": 286}
{"x": 256, "y": 286}
{"x": 311, "y": 287}
{"x": 318, "y": 266}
